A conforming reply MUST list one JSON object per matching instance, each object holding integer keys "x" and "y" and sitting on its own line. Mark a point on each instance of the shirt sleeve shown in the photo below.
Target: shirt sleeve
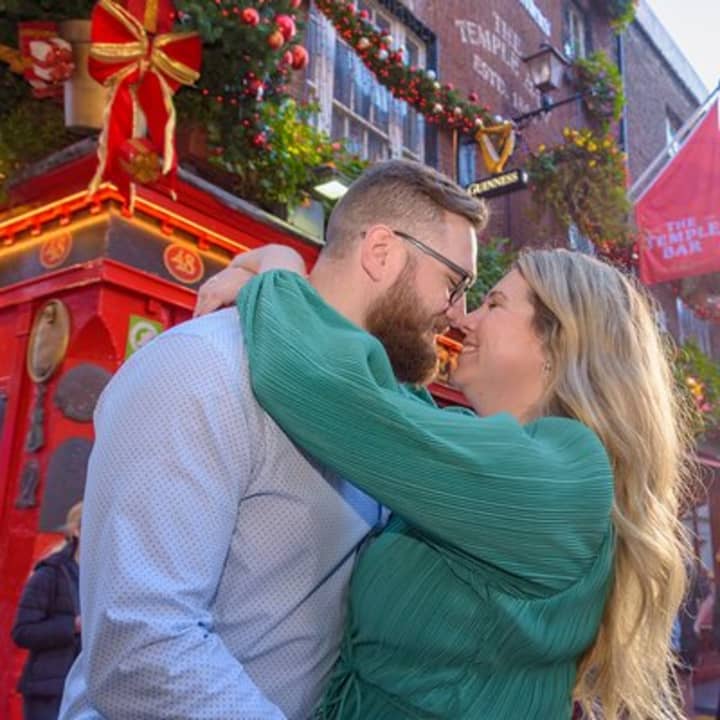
{"x": 532, "y": 501}
{"x": 164, "y": 482}
{"x": 36, "y": 627}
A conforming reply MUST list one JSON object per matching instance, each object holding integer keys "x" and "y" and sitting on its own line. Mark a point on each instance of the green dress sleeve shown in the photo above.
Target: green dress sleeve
{"x": 531, "y": 501}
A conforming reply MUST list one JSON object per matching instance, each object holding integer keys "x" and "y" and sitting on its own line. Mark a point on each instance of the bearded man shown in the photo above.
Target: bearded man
{"x": 216, "y": 555}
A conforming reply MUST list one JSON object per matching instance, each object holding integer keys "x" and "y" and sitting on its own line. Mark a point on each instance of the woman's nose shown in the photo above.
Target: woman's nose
{"x": 467, "y": 323}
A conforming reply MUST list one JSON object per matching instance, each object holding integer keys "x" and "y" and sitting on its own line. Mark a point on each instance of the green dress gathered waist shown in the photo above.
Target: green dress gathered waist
{"x": 487, "y": 586}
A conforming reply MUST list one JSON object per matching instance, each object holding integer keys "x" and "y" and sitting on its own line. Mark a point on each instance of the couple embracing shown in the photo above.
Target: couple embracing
{"x": 280, "y": 522}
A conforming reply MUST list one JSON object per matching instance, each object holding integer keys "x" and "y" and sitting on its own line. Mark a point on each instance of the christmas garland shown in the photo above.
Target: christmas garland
{"x": 440, "y": 103}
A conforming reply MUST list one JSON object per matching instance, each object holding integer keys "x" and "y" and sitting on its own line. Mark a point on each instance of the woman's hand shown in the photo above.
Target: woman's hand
{"x": 221, "y": 289}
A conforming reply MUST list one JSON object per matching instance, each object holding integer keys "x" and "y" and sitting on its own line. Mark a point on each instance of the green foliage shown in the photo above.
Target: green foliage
{"x": 495, "y": 258}
{"x": 282, "y": 173}
{"x": 241, "y": 73}
{"x": 582, "y": 181}
{"x": 621, "y": 12}
{"x": 46, "y": 9}
{"x": 600, "y": 81}
{"x": 29, "y": 132}
{"x": 698, "y": 378}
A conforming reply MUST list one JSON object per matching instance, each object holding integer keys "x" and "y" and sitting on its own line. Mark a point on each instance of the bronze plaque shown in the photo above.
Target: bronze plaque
{"x": 49, "y": 339}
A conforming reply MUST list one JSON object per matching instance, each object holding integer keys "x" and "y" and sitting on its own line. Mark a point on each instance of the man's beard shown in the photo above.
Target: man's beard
{"x": 397, "y": 319}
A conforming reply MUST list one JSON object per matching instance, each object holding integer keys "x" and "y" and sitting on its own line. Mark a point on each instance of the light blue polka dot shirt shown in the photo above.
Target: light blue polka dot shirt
{"x": 214, "y": 556}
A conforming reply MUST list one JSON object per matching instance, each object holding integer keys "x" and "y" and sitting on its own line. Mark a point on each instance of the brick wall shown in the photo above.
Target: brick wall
{"x": 654, "y": 92}
{"x": 480, "y": 49}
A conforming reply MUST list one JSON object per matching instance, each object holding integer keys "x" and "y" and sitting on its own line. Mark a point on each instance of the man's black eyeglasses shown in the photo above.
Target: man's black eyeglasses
{"x": 466, "y": 279}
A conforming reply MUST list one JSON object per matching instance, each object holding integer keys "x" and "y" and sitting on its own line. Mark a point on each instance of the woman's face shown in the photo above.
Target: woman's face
{"x": 502, "y": 367}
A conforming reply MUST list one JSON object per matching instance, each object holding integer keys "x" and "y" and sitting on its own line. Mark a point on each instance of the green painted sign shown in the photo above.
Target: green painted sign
{"x": 140, "y": 331}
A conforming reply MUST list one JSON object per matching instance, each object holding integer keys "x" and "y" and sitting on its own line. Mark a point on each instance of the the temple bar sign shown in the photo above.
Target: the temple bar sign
{"x": 501, "y": 184}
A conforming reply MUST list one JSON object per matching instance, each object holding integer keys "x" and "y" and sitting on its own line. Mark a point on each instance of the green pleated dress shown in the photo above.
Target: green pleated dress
{"x": 488, "y": 584}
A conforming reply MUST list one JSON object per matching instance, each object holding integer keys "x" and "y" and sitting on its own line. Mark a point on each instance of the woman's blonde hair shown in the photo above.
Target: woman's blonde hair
{"x": 609, "y": 369}
{"x": 72, "y": 520}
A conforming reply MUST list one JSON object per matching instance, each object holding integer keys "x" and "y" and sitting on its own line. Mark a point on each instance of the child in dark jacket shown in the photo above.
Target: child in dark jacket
{"x": 48, "y": 625}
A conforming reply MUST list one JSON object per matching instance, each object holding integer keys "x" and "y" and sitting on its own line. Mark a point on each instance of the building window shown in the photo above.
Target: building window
{"x": 576, "y": 32}
{"x": 577, "y": 241}
{"x": 672, "y": 125}
{"x": 354, "y": 107}
{"x": 466, "y": 163}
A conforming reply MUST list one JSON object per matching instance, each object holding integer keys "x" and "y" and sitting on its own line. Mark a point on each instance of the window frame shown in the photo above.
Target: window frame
{"x": 320, "y": 82}
{"x": 579, "y": 13}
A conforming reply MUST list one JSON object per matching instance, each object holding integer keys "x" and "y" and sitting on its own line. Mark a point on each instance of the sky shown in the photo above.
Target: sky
{"x": 695, "y": 27}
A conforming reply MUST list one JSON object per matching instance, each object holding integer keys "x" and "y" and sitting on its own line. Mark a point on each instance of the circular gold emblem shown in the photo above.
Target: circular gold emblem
{"x": 49, "y": 339}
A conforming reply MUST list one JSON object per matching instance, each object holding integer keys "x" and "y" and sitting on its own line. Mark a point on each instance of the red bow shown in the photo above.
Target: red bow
{"x": 143, "y": 72}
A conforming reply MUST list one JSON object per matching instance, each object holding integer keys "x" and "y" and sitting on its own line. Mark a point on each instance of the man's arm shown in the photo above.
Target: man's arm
{"x": 170, "y": 465}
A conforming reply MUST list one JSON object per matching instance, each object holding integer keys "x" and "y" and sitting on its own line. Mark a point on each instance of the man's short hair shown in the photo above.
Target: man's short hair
{"x": 402, "y": 194}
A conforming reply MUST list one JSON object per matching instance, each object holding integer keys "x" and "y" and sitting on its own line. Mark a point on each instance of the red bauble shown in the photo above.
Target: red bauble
{"x": 276, "y": 40}
{"x": 260, "y": 140}
{"x": 250, "y": 16}
{"x": 473, "y": 97}
{"x": 287, "y": 58}
{"x": 300, "y": 57}
{"x": 255, "y": 87}
{"x": 286, "y": 25}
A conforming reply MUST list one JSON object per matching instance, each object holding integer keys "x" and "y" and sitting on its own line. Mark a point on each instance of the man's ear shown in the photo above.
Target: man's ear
{"x": 378, "y": 253}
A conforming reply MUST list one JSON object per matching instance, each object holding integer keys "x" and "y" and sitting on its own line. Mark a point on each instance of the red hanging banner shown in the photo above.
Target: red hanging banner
{"x": 679, "y": 215}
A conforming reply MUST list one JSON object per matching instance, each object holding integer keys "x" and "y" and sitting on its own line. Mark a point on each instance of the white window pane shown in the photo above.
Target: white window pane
{"x": 342, "y": 80}
{"x": 364, "y": 86}
{"x": 412, "y": 53}
{"x": 383, "y": 22}
{"x": 338, "y": 125}
{"x": 378, "y": 147}
{"x": 356, "y": 138}
{"x": 381, "y": 102}
{"x": 467, "y": 159}
{"x": 414, "y": 131}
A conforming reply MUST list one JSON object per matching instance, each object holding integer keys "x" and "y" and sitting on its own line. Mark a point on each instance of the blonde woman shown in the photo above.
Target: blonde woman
{"x": 535, "y": 555}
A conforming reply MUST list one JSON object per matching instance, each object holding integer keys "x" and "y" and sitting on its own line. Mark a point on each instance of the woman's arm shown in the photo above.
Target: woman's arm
{"x": 222, "y": 288}
{"x": 532, "y": 501}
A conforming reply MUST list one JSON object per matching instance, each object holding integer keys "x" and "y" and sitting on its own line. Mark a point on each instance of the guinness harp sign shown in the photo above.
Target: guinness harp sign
{"x": 500, "y": 184}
